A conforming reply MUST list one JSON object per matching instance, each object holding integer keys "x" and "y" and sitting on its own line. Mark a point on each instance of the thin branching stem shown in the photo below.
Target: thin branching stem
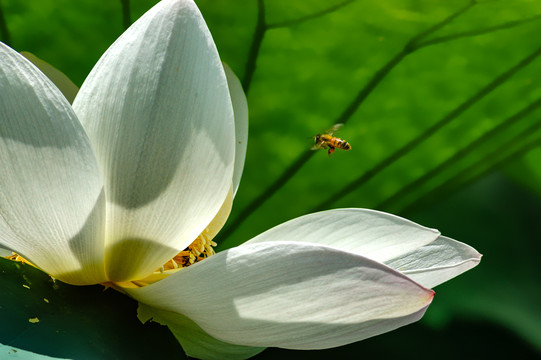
{"x": 257, "y": 39}
{"x": 262, "y": 27}
{"x": 303, "y": 158}
{"x": 414, "y": 42}
{"x": 495, "y": 160}
{"x": 313, "y": 16}
{"x": 393, "y": 62}
{"x": 460, "y": 154}
{"x": 478, "y": 32}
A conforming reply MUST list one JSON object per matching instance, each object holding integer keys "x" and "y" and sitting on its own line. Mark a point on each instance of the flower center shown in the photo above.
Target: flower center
{"x": 200, "y": 249}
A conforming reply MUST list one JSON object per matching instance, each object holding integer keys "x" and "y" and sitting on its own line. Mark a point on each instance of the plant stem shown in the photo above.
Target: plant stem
{"x": 4, "y": 31}
{"x": 126, "y": 17}
{"x": 361, "y": 96}
{"x": 302, "y": 19}
{"x": 477, "y": 32}
{"x": 459, "y": 155}
{"x": 472, "y": 173}
{"x": 257, "y": 39}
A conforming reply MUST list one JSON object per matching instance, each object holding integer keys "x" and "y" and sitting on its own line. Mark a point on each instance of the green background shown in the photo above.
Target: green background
{"x": 441, "y": 104}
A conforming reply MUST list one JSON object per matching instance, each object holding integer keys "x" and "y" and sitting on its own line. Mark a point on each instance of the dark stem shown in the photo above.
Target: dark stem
{"x": 477, "y": 32}
{"x": 257, "y": 39}
{"x": 303, "y": 158}
{"x": 309, "y": 17}
{"x": 459, "y": 155}
{"x": 370, "y": 86}
{"x": 465, "y": 177}
{"x": 414, "y": 42}
{"x": 126, "y": 17}
{"x": 4, "y": 31}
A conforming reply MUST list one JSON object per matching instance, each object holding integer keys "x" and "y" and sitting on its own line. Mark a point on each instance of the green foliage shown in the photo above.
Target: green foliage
{"x": 418, "y": 84}
{"x": 434, "y": 95}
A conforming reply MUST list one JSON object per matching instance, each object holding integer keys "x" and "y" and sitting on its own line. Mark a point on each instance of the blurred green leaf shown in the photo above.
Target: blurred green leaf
{"x": 527, "y": 170}
{"x": 48, "y": 317}
{"x": 446, "y": 74}
{"x": 430, "y": 61}
{"x": 434, "y": 95}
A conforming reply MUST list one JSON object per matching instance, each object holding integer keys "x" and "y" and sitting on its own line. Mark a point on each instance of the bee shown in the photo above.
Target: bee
{"x": 327, "y": 140}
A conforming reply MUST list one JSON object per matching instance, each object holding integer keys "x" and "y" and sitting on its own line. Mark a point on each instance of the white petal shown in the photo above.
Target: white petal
{"x": 158, "y": 111}
{"x": 221, "y": 217}
{"x": 374, "y": 234}
{"x": 240, "y": 108}
{"x": 437, "y": 262}
{"x": 14, "y": 353}
{"x": 51, "y": 199}
{"x": 194, "y": 341}
{"x": 289, "y": 294}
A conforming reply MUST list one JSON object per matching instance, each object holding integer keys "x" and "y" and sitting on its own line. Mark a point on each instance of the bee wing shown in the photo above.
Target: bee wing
{"x": 334, "y": 128}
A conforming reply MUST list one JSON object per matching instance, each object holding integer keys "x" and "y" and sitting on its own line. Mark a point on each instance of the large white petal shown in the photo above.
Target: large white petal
{"x": 374, "y": 234}
{"x": 289, "y": 294}
{"x": 240, "y": 108}
{"x": 158, "y": 111}
{"x": 437, "y": 262}
{"x": 51, "y": 199}
{"x": 194, "y": 341}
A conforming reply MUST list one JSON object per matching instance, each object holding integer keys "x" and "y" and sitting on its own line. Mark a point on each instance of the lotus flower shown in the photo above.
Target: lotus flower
{"x": 128, "y": 187}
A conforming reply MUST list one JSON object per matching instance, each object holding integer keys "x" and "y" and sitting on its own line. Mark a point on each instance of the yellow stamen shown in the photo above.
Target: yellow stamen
{"x": 19, "y": 258}
{"x": 200, "y": 249}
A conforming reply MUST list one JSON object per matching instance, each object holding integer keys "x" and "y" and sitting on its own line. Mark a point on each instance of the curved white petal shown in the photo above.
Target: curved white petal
{"x": 289, "y": 294}
{"x": 214, "y": 227}
{"x": 437, "y": 262}
{"x": 158, "y": 112}
{"x": 240, "y": 108}
{"x": 374, "y": 234}
{"x": 51, "y": 200}
{"x": 194, "y": 341}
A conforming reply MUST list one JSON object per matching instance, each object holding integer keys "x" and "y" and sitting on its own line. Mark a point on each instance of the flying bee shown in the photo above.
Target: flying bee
{"x": 327, "y": 140}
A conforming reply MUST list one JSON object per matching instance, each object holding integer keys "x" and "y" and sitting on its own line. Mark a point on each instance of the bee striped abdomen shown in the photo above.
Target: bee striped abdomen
{"x": 342, "y": 144}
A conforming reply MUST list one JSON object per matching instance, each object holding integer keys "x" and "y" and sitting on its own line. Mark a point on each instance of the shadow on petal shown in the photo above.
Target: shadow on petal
{"x": 134, "y": 258}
